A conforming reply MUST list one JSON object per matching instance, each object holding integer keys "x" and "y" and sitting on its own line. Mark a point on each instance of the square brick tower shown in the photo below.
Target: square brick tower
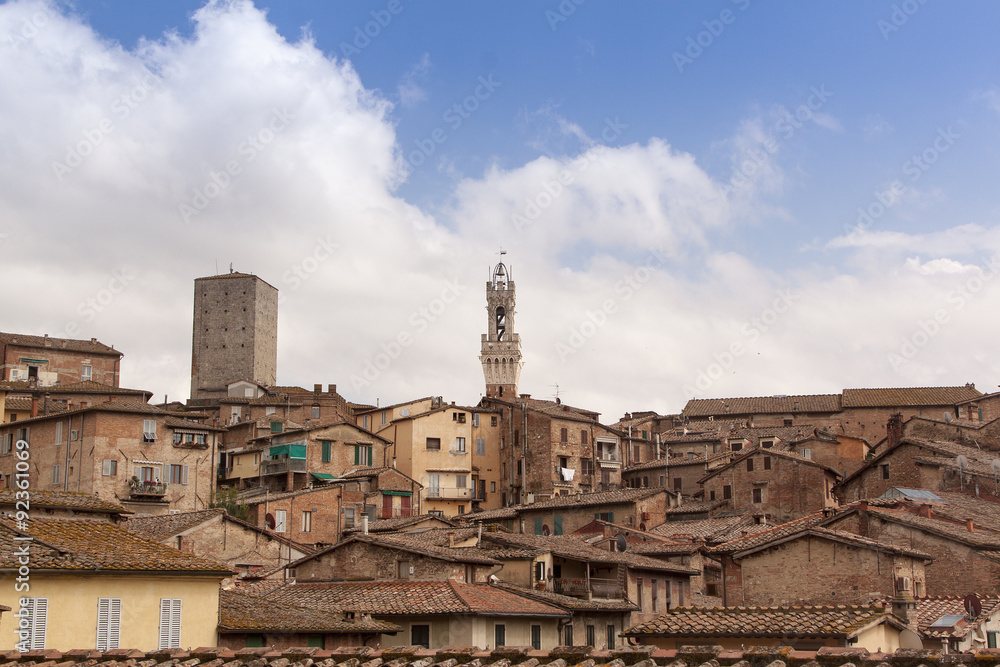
{"x": 235, "y": 333}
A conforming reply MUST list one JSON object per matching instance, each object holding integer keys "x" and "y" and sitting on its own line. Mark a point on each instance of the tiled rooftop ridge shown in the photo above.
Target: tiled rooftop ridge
{"x": 506, "y": 656}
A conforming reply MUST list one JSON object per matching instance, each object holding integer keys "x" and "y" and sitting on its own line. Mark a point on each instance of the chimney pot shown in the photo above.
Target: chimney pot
{"x": 451, "y": 539}
{"x": 971, "y": 525}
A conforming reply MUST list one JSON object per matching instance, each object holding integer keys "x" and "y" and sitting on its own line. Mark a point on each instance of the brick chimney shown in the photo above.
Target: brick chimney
{"x": 331, "y": 389}
{"x": 863, "y": 518}
{"x": 970, "y": 525}
{"x": 925, "y": 511}
{"x": 894, "y": 430}
{"x": 34, "y": 406}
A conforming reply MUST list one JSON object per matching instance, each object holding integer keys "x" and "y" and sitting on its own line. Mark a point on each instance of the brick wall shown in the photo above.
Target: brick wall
{"x": 325, "y": 507}
{"x": 362, "y": 561}
{"x": 65, "y": 365}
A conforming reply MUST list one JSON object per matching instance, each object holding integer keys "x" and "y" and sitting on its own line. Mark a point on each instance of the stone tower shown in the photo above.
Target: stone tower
{"x": 501, "y": 347}
{"x": 235, "y": 333}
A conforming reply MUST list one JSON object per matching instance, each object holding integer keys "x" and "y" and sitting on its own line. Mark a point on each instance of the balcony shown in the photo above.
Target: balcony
{"x": 599, "y": 588}
{"x": 280, "y": 466}
{"x": 147, "y": 490}
{"x": 449, "y": 493}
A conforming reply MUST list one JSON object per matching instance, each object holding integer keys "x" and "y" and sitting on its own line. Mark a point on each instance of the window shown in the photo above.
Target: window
{"x": 255, "y": 641}
{"x": 433, "y": 443}
{"x": 475, "y": 419}
{"x": 539, "y": 526}
{"x": 661, "y": 481}
{"x": 149, "y": 430}
{"x": 279, "y": 521}
{"x": 736, "y": 446}
{"x": 767, "y": 444}
{"x": 493, "y": 421}
{"x": 461, "y": 509}
{"x": 148, "y": 474}
{"x": 458, "y": 417}
{"x": 586, "y": 467}
{"x": 758, "y": 495}
{"x": 349, "y": 520}
{"x": 480, "y": 446}
{"x": 314, "y": 641}
{"x": 563, "y": 435}
{"x": 806, "y": 452}
{"x": 591, "y": 636}
{"x": 403, "y": 568}
{"x": 315, "y": 412}
{"x": 460, "y": 481}
{"x": 568, "y": 635}
{"x": 788, "y": 422}
{"x": 178, "y": 437}
{"x": 420, "y": 635}
{"x": 499, "y": 635}
{"x": 56, "y": 474}
{"x": 611, "y": 637}
{"x": 35, "y": 622}
{"x": 711, "y": 495}
{"x": 326, "y": 446}
{"x": 275, "y": 427}
{"x": 750, "y": 465}
{"x": 269, "y": 410}
{"x": 536, "y": 636}
{"x": 86, "y": 373}
{"x": 885, "y": 470}
{"x": 638, "y": 592}
{"x": 493, "y": 487}
{"x": 678, "y": 483}
{"x": 362, "y": 455}
{"x": 727, "y": 492}
{"x": 459, "y": 444}
{"x": 235, "y": 412}
{"x": 991, "y": 639}
{"x": 434, "y": 485}
{"x": 654, "y": 595}
{"x": 7, "y": 443}
{"x": 767, "y": 463}
{"x": 177, "y": 474}
{"x": 557, "y": 525}
{"x": 59, "y": 433}
{"x": 170, "y": 623}
{"x": 307, "y": 521}
{"x": 109, "y": 623}
{"x": 584, "y": 437}
{"x": 364, "y": 421}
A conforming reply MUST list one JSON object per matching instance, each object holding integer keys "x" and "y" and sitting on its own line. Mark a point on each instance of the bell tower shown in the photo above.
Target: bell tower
{"x": 501, "y": 347}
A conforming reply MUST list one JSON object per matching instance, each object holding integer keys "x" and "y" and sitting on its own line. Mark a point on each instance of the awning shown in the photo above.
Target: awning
{"x": 291, "y": 451}
{"x": 322, "y": 475}
{"x": 397, "y": 493}
{"x": 35, "y": 361}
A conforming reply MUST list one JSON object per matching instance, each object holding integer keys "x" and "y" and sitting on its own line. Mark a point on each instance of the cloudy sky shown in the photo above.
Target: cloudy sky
{"x": 697, "y": 199}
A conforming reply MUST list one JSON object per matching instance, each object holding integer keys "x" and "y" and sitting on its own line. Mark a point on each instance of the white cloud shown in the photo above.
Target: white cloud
{"x": 411, "y": 90}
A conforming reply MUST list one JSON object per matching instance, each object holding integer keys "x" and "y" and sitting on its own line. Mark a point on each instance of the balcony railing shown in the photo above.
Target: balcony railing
{"x": 148, "y": 489}
{"x": 281, "y": 466}
{"x": 601, "y": 588}
{"x": 449, "y": 493}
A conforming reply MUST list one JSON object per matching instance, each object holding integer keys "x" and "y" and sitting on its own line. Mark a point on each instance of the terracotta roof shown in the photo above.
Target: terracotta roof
{"x": 398, "y": 541}
{"x": 715, "y": 530}
{"x": 771, "y": 534}
{"x": 122, "y": 406}
{"x": 167, "y": 525}
{"x": 64, "y": 500}
{"x": 258, "y": 496}
{"x": 577, "y": 549}
{"x": 566, "y": 602}
{"x": 96, "y": 547}
{"x": 18, "y": 403}
{"x": 704, "y": 407}
{"x": 908, "y": 396}
{"x": 930, "y": 609}
{"x": 390, "y": 598}
{"x": 696, "y": 507}
{"x": 851, "y": 539}
{"x": 616, "y": 497}
{"x": 399, "y": 523}
{"x": 985, "y": 539}
{"x": 499, "y": 514}
{"x": 84, "y": 387}
{"x": 47, "y": 342}
{"x": 775, "y": 453}
{"x": 239, "y": 612}
{"x": 842, "y": 621}
{"x": 177, "y": 422}
{"x": 504, "y": 656}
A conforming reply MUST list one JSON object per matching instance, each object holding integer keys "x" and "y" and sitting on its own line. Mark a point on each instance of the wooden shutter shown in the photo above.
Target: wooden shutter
{"x": 170, "y": 623}
{"x": 357, "y": 454}
{"x": 109, "y": 619}
{"x": 405, "y": 506}
{"x": 386, "y": 507}
{"x": 184, "y": 474}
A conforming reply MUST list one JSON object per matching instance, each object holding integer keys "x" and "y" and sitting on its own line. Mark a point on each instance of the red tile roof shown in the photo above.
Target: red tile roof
{"x": 240, "y": 612}
{"x": 64, "y": 500}
{"x": 47, "y": 342}
{"x": 908, "y": 396}
{"x": 760, "y": 405}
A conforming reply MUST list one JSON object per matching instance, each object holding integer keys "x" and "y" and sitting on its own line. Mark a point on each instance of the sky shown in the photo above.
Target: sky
{"x": 696, "y": 199}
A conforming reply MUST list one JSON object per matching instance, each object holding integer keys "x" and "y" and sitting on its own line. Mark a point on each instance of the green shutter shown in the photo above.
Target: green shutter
{"x": 326, "y": 451}
{"x": 611, "y": 517}
{"x": 315, "y": 640}
{"x": 538, "y": 525}
{"x": 557, "y": 523}
{"x": 275, "y": 428}
{"x": 357, "y": 454}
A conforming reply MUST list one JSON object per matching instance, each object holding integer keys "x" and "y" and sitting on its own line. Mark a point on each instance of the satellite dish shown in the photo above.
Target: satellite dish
{"x": 995, "y": 463}
{"x": 269, "y": 521}
{"x": 621, "y": 543}
{"x": 947, "y": 418}
{"x": 961, "y": 462}
{"x": 405, "y": 412}
{"x": 910, "y": 639}
{"x": 973, "y": 605}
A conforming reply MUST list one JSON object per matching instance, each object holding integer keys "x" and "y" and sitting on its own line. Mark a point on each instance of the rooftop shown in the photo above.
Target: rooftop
{"x": 72, "y": 344}
{"x": 240, "y": 612}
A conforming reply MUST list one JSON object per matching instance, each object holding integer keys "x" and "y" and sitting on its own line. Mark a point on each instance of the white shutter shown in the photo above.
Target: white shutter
{"x": 279, "y": 521}
{"x": 59, "y": 433}
{"x": 109, "y": 620}
{"x": 170, "y": 623}
{"x": 149, "y": 430}
{"x": 56, "y": 477}
{"x": 38, "y": 613}
{"x": 184, "y": 474}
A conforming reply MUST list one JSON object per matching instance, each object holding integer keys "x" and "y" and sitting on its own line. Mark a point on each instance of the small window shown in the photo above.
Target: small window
{"x": 109, "y": 468}
{"x": 385, "y": 417}
{"x": 591, "y": 636}
{"x": 403, "y": 569}
{"x": 109, "y": 621}
{"x": 584, "y": 437}
{"x": 788, "y": 422}
{"x": 177, "y": 474}
{"x": 475, "y": 419}
{"x": 460, "y": 481}
{"x": 493, "y": 421}
{"x": 433, "y": 443}
{"x": 654, "y": 595}
{"x": 750, "y": 464}
{"x": 348, "y": 517}
{"x": 459, "y": 444}
{"x": 568, "y": 635}
{"x": 170, "y": 623}
{"x": 727, "y": 492}
{"x": 536, "y": 637}
{"x": 56, "y": 474}
{"x": 767, "y": 463}
{"x": 711, "y": 495}
{"x": 500, "y": 635}
{"x": 36, "y": 621}
{"x": 638, "y": 592}
{"x": 327, "y": 449}
{"x": 885, "y": 470}
{"x": 269, "y": 410}
{"x": 149, "y": 430}
{"x": 315, "y": 412}
{"x": 806, "y": 452}
{"x": 307, "y": 522}
{"x": 275, "y": 427}
{"x": 611, "y": 637}
{"x": 758, "y": 495}
{"x": 563, "y": 435}
{"x": 480, "y": 446}
{"x": 86, "y": 373}
{"x": 279, "y": 520}
{"x": 420, "y": 635}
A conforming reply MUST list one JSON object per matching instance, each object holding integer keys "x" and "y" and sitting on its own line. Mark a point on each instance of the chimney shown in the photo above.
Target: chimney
{"x": 904, "y": 607}
{"x": 48, "y": 343}
{"x": 331, "y": 389}
{"x": 92, "y": 340}
{"x": 34, "y": 406}
{"x": 451, "y": 539}
{"x": 894, "y": 431}
{"x": 925, "y": 511}
{"x": 970, "y": 525}
{"x": 364, "y": 524}
{"x": 558, "y": 400}
{"x": 317, "y": 388}
{"x": 863, "y": 518}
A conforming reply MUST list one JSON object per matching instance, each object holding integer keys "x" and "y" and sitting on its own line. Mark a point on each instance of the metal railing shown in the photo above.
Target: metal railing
{"x": 148, "y": 489}
{"x": 449, "y": 492}
{"x": 282, "y": 465}
{"x": 602, "y": 588}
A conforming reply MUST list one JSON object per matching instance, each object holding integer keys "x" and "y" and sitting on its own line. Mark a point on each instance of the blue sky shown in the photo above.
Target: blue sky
{"x": 847, "y": 153}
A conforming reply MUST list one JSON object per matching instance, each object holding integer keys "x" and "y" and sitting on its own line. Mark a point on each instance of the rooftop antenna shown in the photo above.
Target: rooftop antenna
{"x": 995, "y": 464}
{"x": 557, "y": 391}
{"x": 230, "y": 267}
{"x": 963, "y": 463}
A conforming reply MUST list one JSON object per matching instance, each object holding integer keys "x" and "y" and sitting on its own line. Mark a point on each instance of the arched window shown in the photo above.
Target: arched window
{"x": 501, "y": 323}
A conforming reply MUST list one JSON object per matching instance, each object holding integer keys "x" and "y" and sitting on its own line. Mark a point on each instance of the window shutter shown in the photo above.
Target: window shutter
{"x": 386, "y": 507}
{"x": 59, "y": 432}
{"x": 170, "y": 623}
{"x": 109, "y": 616}
{"x": 38, "y": 613}
{"x": 184, "y": 474}
{"x": 357, "y": 454}
{"x": 405, "y": 506}
{"x": 557, "y": 525}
